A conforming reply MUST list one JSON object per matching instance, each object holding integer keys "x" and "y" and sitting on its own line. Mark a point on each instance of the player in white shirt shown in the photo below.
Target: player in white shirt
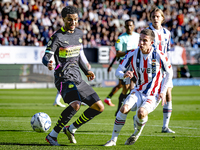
{"x": 148, "y": 66}
{"x": 126, "y": 42}
{"x": 162, "y": 42}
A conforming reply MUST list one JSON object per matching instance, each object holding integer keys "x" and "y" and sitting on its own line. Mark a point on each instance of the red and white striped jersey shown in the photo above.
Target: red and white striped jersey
{"x": 148, "y": 69}
{"x": 162, "y": 38}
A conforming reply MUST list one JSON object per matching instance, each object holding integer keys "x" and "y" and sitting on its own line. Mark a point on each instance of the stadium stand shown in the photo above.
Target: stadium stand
{"x": 32, "y": 22}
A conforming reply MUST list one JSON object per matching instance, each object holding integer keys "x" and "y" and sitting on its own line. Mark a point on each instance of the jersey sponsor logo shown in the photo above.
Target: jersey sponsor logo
{"x": 70, "y": 86}
{"x": 118, "y": 40}
{"x": 69, "y": 51}
{"x": 49, "y": 43}
{"x": 80, "y": 40}
{"x": 148, "y": 70}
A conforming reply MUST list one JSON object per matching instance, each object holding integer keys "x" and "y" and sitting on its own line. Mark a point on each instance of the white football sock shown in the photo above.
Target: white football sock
{"x": 119, "y": 123}
{"x": 72, "y": 128}
{"x": 53, "y": 133}
{"x": 140, "y": 123}
{"x": 167, "y": 111}
{"x": 58, "y": 97}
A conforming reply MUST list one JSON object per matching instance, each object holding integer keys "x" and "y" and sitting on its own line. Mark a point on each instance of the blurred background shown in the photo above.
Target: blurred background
{"x": 27, "y": 25}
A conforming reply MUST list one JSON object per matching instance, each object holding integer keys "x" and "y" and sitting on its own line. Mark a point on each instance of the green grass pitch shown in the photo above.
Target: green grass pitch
{"x": 17, "y": 106}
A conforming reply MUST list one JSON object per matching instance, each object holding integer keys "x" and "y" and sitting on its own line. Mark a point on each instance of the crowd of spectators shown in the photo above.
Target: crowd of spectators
{"x": 32, "y": 22}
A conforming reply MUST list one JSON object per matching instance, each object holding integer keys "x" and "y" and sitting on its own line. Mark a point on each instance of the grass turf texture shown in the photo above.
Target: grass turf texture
{"x": 17, "y": 106}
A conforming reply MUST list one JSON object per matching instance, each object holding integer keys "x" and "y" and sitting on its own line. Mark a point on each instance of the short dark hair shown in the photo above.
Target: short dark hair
{"x": 128, "y": 21}
{"x": 69, "y": 10}
{"x": 148, "y": 32}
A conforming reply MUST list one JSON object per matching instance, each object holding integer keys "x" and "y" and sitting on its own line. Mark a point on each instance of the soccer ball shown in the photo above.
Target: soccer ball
{"x": 41, "y": 122}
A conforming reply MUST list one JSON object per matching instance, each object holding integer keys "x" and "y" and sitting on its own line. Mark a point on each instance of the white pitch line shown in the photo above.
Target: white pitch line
{"x": 151, "y": 125}
{"x": 166, "y": 135}
{"x": 124, "y": 134}
{"x": 108, "y": 124}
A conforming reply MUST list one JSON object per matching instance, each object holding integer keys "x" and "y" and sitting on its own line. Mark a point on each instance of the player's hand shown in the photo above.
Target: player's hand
{"x": 163, "y": 98}
{"x": 50, "y": 65}
{"x": 128, "y": 74}
{"x": 88, "y": 66}
{"x": 91, "y": 76}
{"x": 109, "y": 69}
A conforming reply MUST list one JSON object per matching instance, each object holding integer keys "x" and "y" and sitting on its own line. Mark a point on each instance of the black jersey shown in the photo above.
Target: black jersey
{"x": 66, "y": 47}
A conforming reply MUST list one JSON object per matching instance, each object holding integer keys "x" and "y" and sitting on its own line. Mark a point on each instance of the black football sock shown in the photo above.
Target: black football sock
{"x": 86, "y": 116}
{"x": 64, "y": 118}
{"x": 110, "y": 95}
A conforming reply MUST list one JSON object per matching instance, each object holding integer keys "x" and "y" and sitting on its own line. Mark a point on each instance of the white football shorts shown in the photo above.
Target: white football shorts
{"x": 136, "y": 99}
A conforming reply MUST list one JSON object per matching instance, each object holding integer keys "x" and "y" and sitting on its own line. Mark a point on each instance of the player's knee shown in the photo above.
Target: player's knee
{"x": 142, "y": 113}
{"x": 76, "y": 105}
{"x": 124, "y": 109}
{"x": 98, "y": 106}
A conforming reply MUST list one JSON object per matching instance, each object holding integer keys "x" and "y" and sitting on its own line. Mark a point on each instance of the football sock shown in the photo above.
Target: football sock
{"x": 140, "y": 123}
{"x": 110, "y": 95}
{"x": 64, "y": 118}
{"x": 167, "y": 110}
{"x": 58, "y": 97}
{"x": 119, "y": 123}
{"x": 122, "y": 97}
{"x": 72, "y": 128}
{"x": 53, "y": 133}
{"x": 86, "y": 116}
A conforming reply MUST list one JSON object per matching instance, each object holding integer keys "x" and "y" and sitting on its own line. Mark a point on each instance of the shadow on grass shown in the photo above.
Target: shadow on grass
{"x": 35, "y": 144}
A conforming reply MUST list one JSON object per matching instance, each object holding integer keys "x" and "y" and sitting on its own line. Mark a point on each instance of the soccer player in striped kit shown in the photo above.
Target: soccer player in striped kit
{"x": 148, "y": 66}
{"x": 126, "y": 42}
{"x": 162, "y": 42}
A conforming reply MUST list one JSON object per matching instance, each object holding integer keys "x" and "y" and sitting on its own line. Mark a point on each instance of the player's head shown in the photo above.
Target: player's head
{"x": 157, "y": 17}
{"x": 147, "y": 37}
{"x": 70, "y": 17}
{"x": 129, "y": 25}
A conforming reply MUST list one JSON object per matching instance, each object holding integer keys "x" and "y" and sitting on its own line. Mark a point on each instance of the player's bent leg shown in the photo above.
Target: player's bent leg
{"x": 94, "y": 110}
{"x": 167, "y": 110}
{"x": 122, "y": 97}
{"x": 119, "y": 123}
{"x": 120, "y": 119}
{"x": 64, "y": 118}
{"x": 140, "y": 120}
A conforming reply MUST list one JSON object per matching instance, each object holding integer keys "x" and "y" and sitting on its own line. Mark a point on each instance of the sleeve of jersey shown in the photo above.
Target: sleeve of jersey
{"x": 84, "y": 59}
{"x": 166, "y": 66}
{"x": 82, "y": 66}
{"x": 122, "y": 66}
{"x": 50, "y": 50}
{"x": 118, "y": 44}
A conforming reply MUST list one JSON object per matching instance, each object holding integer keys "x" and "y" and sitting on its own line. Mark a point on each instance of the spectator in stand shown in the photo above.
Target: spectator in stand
{"x": 102, "y": 14}
{"x": 18, "y": 24}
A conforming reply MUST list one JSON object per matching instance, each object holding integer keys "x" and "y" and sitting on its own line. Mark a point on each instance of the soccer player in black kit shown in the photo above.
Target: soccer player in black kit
{"x": 65, "y": 46}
